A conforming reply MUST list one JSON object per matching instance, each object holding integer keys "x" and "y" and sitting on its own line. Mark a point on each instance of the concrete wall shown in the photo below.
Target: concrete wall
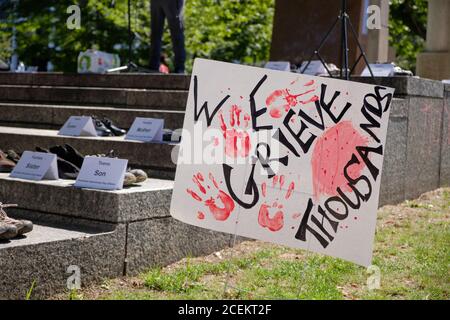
{"x": 445, "y": 151}
{"x": 417, "y": 155}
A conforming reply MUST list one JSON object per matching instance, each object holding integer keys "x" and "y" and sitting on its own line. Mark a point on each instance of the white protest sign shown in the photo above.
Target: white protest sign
{"x": 278, "y": 65}
{"x": 102, "y": 173}
{"x": 78, "y": 126}
{"x": 36, "y": 166}
{"x": 146, "y": 129}
{"x": 379, "y": 70}
{"x": 282, "y": 157}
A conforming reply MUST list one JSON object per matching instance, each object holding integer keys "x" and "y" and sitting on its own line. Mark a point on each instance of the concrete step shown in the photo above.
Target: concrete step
{"x": 47, "y": 116}
{"x": 151, "y": 199}
{"x": 133, "y": 98}
{"x": 104, "y": 233}
{"x": 155, "y": 156}
{"x": 44, "y": 255}
{"x": 131, "y": 80}
{"x": 99, "y": 250}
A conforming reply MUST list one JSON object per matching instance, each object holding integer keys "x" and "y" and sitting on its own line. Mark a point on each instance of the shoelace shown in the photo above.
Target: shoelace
{"x": 3, "y": 214}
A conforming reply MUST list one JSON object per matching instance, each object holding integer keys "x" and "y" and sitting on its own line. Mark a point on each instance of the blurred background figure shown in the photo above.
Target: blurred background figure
{"x": 173, "y": 11}
{"x": 163, "y": 66}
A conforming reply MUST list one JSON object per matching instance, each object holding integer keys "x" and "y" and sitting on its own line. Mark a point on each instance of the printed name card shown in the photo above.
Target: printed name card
{"x": 102, "y": 173}
{"x": 36, "y": 166}
{"x": 278, "y": 65}
{"x": 314, "y": 68}
{"x": 146, "y": 129}
{"x": 78, "y": 126}
{"x": 379, "y": 70}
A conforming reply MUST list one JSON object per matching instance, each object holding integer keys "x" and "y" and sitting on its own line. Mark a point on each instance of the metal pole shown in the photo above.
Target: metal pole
{"x": 345, "y": 39}
{"x": 130, "y": 37}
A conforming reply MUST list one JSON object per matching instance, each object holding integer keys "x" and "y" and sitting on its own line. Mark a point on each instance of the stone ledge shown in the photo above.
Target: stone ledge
{"x": 144, "y": 81}
{"x": 139, "y": 154}
{"x": 45, "y": 254}
{"x": 149, "y": 200}
{"x": 100, "y": 250}
{"x": 136, "y": 98}
{"x": 45, "y": 116}
{"x": 407, "y": 86}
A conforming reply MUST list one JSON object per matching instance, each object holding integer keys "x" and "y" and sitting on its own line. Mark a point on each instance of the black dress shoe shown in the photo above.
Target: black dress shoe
{"x": 167, "y": 135}
{"x": 114, "y": 129}
{"x": 66, "y": 170}
{"x": 102, "y": 130}
{"x": 74, "y": 156}
{"x": 68, "y": 153}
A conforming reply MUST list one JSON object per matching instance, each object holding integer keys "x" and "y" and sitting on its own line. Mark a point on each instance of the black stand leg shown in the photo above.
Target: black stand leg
{"x": 345, "y": 72}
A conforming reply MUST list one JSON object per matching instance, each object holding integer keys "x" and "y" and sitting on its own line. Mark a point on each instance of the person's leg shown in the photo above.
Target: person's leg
{"x": 157, "y": 29}
{"x": 174, "y": 10}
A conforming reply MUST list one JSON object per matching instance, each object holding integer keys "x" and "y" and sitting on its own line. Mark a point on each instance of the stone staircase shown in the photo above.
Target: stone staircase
{"x": 103, "y": 233}
{"x": 112, "y": 233}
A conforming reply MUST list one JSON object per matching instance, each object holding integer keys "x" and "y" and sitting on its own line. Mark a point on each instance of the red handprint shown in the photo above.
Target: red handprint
{"x": 237, "y": 141}
{"x": 276, "y": 222}
{"x": 219, "y": 213}
{"x": 280, "y": 101}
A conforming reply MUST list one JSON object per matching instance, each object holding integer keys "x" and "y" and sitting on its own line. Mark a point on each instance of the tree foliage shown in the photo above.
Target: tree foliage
{"x": 407, "y": 30}
{"x": 230, "y": 30}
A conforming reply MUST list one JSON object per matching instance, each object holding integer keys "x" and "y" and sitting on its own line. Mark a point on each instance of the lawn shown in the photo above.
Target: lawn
{"x": 412, "y": 255}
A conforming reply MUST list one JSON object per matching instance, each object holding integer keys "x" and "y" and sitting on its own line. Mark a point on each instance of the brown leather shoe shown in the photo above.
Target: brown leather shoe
{"x": 6, "y": 165}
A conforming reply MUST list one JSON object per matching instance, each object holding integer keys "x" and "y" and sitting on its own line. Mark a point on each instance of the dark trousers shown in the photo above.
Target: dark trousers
{"x": 173, "y": 11}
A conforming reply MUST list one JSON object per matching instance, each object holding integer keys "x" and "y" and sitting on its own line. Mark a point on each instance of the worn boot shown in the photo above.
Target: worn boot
{"x": 6, "y": 165}
{"x": 7, "y": 231}
{"x": 22, "y": 226}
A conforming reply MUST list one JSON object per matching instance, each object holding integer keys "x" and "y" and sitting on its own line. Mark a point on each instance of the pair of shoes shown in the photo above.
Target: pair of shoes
{"x": 68, "y": 153}
{"x": 6, "y": 164}
{"x": 66, "y": 170}
{"x": 110, "y": 154}
{"x": 13, "y": 156}
{"x": 106, "y": 128}
{"x": 11, "y": 228}
{"x": 134, "y": 176}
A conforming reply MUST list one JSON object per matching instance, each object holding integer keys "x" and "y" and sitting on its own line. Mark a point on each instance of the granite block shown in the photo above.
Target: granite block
{"x": 44, "y": 255}
{"x": 45, "y": 116}
{"x": 139, "y": 154}
{"x": 159, "y": 242}
{"x": 150, "y": 199}
{"x": 130, "y": 80}
{"x": 445, "y": 148}
{"x": 423, "y": 146}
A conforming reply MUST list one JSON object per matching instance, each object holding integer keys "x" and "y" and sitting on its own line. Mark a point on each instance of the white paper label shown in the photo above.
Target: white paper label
{"x": 36, "y": 166}
{"x": 102, "y": 173}
{"x": 78, "y": 126}
{"x": 315, "y": 67}
{"x": 146, "y": 129}
{"x": 278, "y": 65}
{"x": 379, "y": 70}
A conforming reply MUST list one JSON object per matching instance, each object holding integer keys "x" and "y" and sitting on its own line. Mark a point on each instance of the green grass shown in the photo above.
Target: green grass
{"x": 412, "y": 251}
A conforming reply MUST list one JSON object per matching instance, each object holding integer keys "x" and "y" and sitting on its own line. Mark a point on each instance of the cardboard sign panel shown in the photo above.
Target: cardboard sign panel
{"x": 282, "y": 157}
